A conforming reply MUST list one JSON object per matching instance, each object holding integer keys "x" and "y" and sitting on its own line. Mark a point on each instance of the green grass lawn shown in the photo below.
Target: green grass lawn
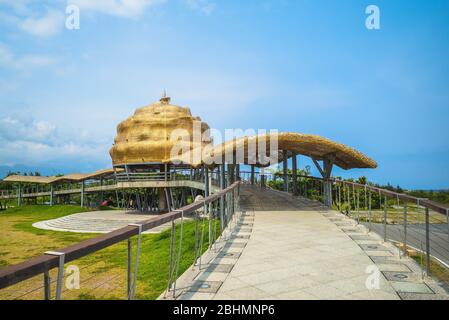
{"x": 102, "y": 274}
{"x": 437, "y": 270}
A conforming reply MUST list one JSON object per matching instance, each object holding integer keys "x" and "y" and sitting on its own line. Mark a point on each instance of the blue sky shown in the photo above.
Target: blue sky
{"x": 303, "y": 66}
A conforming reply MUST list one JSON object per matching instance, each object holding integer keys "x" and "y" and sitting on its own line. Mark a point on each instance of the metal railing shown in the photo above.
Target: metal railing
{"x": 217, "y": 210}
{"x": 180, "y": 175}
{"x": 414, "y": 224}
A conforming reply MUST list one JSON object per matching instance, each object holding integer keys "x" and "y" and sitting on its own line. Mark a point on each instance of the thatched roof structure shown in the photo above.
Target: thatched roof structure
{"x": 74, "y": 177}
{"x": 245, "y": 150}
{"x": 146, "y": 137}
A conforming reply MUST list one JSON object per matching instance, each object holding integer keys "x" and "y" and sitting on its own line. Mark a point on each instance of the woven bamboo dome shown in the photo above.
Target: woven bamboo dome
{"x": 146, "y": 137}
{"x": 304, "y": 144}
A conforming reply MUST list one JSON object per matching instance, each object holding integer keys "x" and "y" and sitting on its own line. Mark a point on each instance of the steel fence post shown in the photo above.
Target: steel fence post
{"x": 129, "y": 267}
{"x": 172, "y": 244}
{"x": 427, "y": 242}
{"x": 47, "y": 282}
{"x": 405, "y": 228}
{"x": 222, "y": 197}
{"x": 136, "y": 262}
{"x": 339, "y": 196}
{"x": 358, "y": 206}
{"x": 61, "y": 256}
{"x": 196, "y": 238}
{"x": 447, "y": 218}
{"x": 385, "y": 218}
{"x": 369, "y": 211}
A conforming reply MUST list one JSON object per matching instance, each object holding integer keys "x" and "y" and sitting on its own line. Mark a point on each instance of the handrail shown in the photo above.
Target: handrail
{"x": 95, "y": 187}
{"x": 22, "y": 271}
{"x": 426, "y": 203}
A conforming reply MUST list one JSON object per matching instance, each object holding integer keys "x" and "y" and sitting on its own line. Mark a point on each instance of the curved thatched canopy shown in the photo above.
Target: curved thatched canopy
{"x": 74, "y": 177}
{"x": 29, "y": 179}
{"x": 245, "y": 150}
{"x": 312, "y": 146}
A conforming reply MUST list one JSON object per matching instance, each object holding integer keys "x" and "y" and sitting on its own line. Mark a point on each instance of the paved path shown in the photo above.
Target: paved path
{"x": 292, "y": 248}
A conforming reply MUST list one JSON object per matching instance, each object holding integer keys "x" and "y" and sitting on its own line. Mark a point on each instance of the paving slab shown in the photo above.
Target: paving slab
{"x": 222, "y": 268}
{"x": 399, "y": 267}
{"x": 411, "y": 287}
{"x": 422, "y": 296}
{"x": 373, "y": 247}
{"x": 206, "y": 286}
{"x": 299, "y": 251}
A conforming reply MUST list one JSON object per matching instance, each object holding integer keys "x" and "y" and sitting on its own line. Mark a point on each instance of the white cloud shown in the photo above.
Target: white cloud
{"x": 19, "y": 6}
{"x": 205, "y": 6}
{"x": 33, "y": 131}
{"x": 122, "y": 8}
{"x": 24, "y": 140}
{"x": 49, "y": 24}
{"x": 25, "y": 62}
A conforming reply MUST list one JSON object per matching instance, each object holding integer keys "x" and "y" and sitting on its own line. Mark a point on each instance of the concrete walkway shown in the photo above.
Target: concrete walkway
{"x": 292, "y": 248}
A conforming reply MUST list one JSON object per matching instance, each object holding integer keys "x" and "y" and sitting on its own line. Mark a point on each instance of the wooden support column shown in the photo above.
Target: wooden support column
{"x": 101, "y": 193}
{"x": 252, "y": 174}
{"x": 163, "y": 200}
{"x": 230, "y": 174}
{"x": 19, "y": 195}
{"x": 285, "y": 167}
{"x": 52, "y": 195}
{"x": 326, "y": 172}
{"x": 295, "y": 174}
{"x": 262, "y": 177}
{"x": 219, "y": 175}
{"x": 82, "y": 193}
{"x": 206, "y": 183}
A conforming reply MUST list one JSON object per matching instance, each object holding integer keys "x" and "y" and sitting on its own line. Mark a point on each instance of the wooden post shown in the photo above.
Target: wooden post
{"x": 326, "y": 172}
{"x": 82, "y": 193}
{"x": 295, "y": 174}
{"x": 19, "y": 195}
{"x": 427, "y": 242}
{"x": 230, "y": 174}
{"x": 285, "y": 167}
{"x": 237, "y": 172}
{"x": 52, "y": 195}
{"x": 262, "y": 178}
{"x": 252, "y": 174}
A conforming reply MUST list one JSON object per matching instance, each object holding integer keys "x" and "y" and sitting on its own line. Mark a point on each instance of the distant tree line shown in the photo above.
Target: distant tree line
{"x": 32, "y": 174}
{"x": 440, "y": 196}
